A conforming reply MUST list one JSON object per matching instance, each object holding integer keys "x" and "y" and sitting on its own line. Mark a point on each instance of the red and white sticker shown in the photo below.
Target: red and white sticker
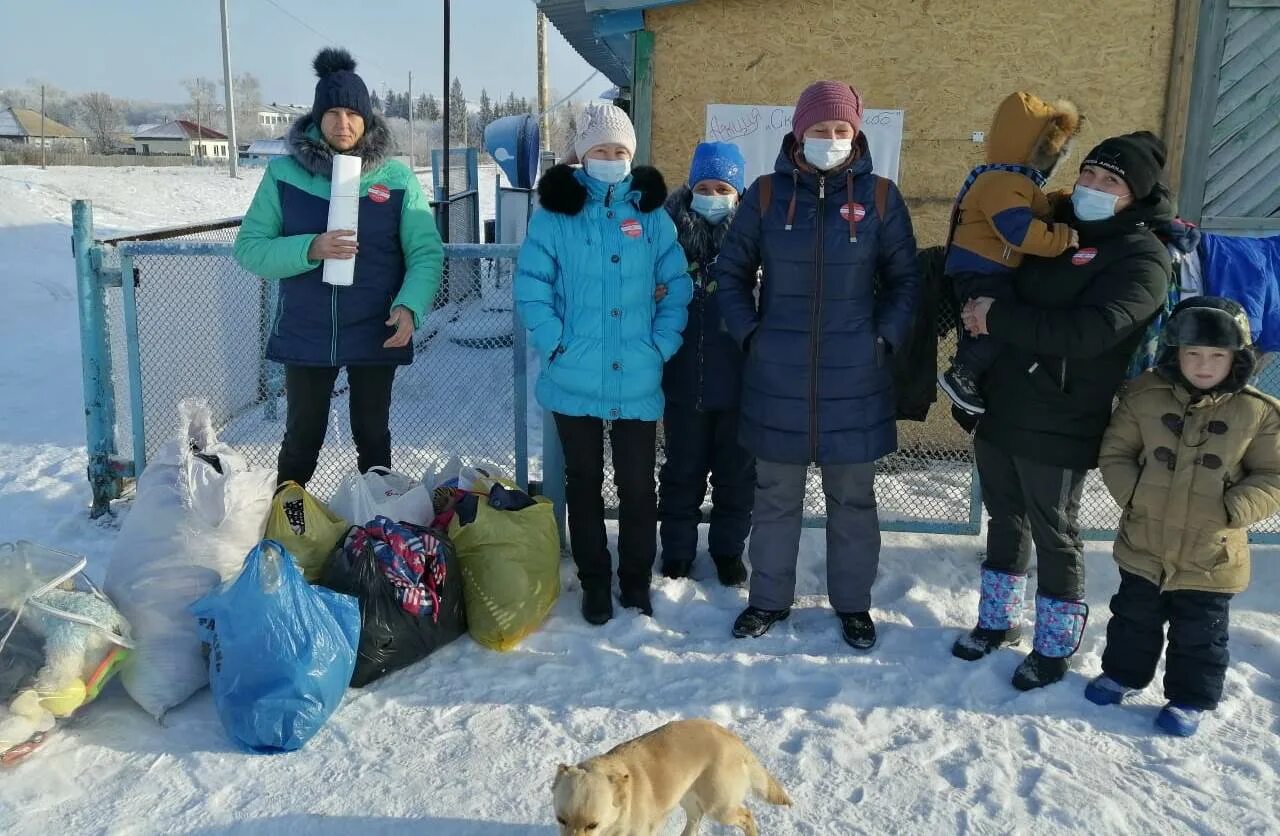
{"x": 857, "y": 210}
{"x": 632, "y": 228}
{"x": 379, "y": 193}
{"x": 1084, "y": 256}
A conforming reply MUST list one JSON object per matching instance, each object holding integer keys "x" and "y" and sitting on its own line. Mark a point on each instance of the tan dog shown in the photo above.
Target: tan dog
{"x": 628, "y": 791}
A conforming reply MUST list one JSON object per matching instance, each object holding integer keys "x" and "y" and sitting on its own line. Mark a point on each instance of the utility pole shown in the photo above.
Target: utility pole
{"x": 544, "y": 88}
{"x": 412, "y": 105}
{"x": 233, "y": 150}
{"x": 43, "y": 142}
{"x": 444, "y": 154}
{"x": 199, "y": 130}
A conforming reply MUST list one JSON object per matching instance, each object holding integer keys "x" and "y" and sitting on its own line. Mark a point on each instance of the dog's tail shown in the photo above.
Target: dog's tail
{"x": 765, "y": 785}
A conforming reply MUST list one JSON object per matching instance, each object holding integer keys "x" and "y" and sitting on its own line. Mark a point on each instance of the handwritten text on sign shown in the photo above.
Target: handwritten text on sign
{"x": 759, "y": 129}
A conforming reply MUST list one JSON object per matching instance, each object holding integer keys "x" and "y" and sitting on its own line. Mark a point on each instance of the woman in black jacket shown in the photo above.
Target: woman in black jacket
{"x": 1071, "y": 331}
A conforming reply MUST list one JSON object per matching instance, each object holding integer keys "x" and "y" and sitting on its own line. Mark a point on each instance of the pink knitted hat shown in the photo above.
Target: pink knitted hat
{"x": 823, "y": 101}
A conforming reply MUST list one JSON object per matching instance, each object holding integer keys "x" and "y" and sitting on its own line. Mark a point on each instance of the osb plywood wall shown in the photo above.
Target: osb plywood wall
{"x": 947, "y": 63}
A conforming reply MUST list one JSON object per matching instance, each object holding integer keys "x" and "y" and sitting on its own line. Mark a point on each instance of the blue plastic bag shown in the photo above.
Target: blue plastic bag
{"x": 281, "y": 652}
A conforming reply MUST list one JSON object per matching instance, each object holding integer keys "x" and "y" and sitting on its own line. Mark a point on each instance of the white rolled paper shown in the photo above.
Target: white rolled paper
{"x": 344, "y": 213}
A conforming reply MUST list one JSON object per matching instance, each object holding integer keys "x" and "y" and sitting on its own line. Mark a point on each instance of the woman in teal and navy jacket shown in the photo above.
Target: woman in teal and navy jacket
{"x": 367, "y": 326}
{"x": 593, "y": 259}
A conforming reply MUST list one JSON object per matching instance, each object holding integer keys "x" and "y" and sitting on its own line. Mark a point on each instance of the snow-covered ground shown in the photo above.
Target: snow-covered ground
{"x": 906, "y": 739}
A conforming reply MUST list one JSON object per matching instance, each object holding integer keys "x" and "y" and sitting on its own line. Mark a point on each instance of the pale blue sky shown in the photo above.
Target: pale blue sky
{"x": 142, "y": 49}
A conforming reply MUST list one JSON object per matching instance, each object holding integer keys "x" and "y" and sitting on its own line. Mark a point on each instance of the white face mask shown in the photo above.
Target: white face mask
{"x": 1091, "y": 204}
{"x": 713, "y": 207}
{"x": 826, "y": 154}
{"x": 608, "y": 171}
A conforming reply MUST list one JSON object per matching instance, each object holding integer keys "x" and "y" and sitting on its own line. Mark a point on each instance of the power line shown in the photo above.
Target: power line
{"x": 558, "y": 104}
{"x": 321, "y": 35}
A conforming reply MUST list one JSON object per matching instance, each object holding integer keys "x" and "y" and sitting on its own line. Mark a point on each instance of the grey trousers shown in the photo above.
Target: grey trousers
{"x": 853, "y": 534}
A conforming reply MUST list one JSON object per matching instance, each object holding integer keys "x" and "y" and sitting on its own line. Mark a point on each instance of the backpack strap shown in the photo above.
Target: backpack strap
{"x": 764, "y": 184}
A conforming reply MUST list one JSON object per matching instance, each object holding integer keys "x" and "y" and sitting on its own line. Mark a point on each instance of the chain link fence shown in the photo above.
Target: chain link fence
{"x": 202, "y": 324}
{"x": 927, "y": 485}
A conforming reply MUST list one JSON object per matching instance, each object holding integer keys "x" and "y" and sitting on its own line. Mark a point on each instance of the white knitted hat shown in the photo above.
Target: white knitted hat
{"x": 601, "y": 124}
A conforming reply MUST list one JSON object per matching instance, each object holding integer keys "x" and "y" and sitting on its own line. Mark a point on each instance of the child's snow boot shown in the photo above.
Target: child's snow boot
{"x": 1059, "y": 630}
{"x": 1179, "y": 720}
{"x": 1104, "y": 690}
{"x": 999, "y": 615}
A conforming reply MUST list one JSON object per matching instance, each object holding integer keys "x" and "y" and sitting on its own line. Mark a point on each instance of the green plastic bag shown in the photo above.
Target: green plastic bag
{"x": 510, "y": 570}
{"x": 306, "y": 528}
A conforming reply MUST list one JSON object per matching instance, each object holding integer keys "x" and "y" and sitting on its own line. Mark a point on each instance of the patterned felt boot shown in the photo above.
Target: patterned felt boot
{"x": 1059, "y": 629}
{"x": 999, "y": 615}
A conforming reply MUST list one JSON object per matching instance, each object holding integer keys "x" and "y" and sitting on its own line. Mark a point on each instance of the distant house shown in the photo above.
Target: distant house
{"x": 181, "y": 138}
{"x": 279, "y": 117}
{"x": 21, "y": 126}
{"x": 263, "y": 151}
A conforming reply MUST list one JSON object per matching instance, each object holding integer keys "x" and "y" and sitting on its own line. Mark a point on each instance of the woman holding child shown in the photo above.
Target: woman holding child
{"x": 1069, "y": 332}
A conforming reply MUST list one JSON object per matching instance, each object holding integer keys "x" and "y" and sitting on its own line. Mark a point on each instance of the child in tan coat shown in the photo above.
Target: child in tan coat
{"x": 1192, "y": 455}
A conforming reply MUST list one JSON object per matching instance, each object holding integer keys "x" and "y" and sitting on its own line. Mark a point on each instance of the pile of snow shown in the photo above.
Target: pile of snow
{"x": 905, "y": 739}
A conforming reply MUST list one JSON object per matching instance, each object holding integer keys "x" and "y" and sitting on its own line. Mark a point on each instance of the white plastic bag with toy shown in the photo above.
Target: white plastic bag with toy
{"x": 199, "y": 510}
{"x": 60, "y": 642}
{"x": 382, "y": 492}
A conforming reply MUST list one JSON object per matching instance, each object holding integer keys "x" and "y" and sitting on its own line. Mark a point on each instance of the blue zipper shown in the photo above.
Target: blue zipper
{"x": 333, "y": 308}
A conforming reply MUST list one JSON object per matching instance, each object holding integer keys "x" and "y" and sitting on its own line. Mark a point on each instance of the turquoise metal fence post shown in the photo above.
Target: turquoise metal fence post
{"x": 133, "y": 347}
{"x": 95, "y": 361}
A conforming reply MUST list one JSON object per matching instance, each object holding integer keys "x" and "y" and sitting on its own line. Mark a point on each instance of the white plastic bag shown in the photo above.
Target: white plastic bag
{"x": 198, "y": 511}
{"x": 477, "y": 476}
{"x": 382, "y": 492}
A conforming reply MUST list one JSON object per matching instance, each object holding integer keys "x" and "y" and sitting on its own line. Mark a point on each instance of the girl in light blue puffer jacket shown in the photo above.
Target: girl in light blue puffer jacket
{"x": 587, "y": 288}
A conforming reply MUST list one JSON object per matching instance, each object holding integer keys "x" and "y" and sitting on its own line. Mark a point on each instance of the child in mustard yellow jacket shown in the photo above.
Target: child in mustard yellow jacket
{"x": 1001, "y": 214}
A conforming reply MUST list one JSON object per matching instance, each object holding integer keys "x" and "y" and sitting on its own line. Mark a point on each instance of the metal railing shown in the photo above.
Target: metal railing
{"x": 191, "y": 322}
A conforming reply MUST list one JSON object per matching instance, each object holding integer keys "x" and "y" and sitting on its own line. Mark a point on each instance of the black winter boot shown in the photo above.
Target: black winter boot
{"x": 858, "y": 630}
{"x": 636, "y": 598}
{"x": 597, "y": 604}
{"x": 982, "y": 641}
{"x": 754, "y": 622}
{"x": 676, "y": 567}
{"x": 730, "y": 569}
{"x": 1037, "y": 671}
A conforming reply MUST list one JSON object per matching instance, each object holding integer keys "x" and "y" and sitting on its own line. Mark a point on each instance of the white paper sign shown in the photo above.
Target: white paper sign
{"x": 344, "y": 213}
{"x": 758, "y": 131}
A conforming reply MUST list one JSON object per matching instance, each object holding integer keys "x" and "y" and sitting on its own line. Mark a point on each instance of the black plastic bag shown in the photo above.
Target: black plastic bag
{"x": 390, "y": 638}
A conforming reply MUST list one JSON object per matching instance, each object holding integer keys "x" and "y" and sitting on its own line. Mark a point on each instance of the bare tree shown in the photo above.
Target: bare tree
{"x": 204, "y": 96}
{"x": 103, "y": 117}
{"x": 248, "y": 102}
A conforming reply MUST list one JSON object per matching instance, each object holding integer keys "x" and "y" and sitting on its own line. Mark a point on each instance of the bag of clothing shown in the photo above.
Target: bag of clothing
{"x": 198, "y": 510}
{"x": 382, "y": 493}
{"x": 281, "y": 651}
{"x": 510, "y": 566}
{"x": 304, "y": 526}
{"x": 409, "y": 586}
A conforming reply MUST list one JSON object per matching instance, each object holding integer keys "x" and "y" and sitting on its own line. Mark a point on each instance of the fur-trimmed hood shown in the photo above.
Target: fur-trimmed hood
{"x": 699, "y": 238}
{"x": 308, "y": 147}
{"x": 564, "y": 189}
{"x": 1029, "y": 131}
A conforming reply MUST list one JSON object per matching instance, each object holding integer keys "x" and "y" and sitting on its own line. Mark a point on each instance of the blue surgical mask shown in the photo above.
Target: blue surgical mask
{"x": 608, "y": 171}
{"x": 713, "y": 207}
{"x": 826, "y": 154}
{"x": 1093, "y": 205}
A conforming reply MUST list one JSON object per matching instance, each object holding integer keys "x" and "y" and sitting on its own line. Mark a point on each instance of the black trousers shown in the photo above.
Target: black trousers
{"x": 634, "y": 445}
{"x": 1032, "y": 502}
{"x": 701, "y": 445}
{"x": 1197, "y": 658}
{"x": 308, "y": 390}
